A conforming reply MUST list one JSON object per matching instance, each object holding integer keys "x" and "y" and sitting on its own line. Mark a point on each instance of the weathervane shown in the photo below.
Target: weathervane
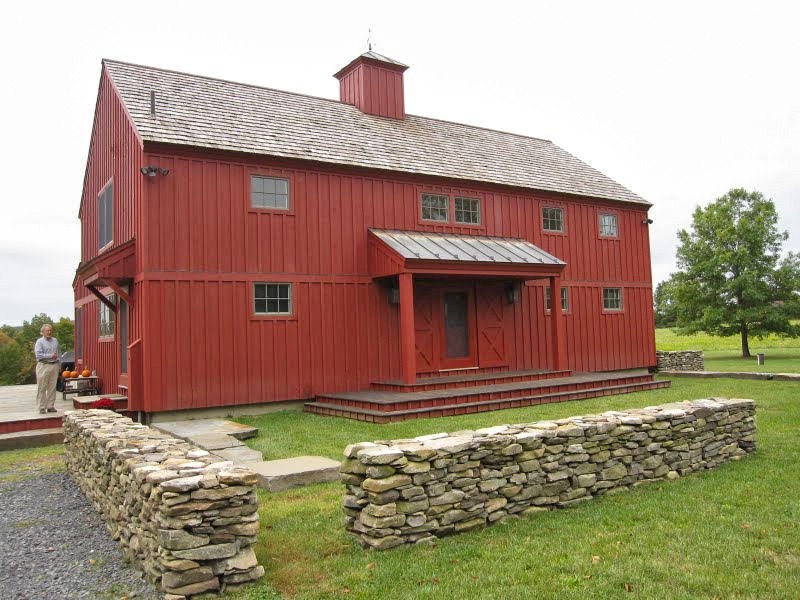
{"x": 369, "y": 40}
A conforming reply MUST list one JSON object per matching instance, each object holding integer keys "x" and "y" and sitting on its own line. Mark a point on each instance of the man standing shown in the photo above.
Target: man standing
{"x": 47, "y": 367}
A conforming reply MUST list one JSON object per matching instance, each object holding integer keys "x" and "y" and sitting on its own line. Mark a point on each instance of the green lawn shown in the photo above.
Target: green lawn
{"x": 782, "y": 355}
{"x": 730, "y": 533}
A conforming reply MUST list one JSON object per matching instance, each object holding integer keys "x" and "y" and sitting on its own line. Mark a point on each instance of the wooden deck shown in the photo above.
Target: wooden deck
{"x": 19, "y": 411}
{"x": 514, "y": 389}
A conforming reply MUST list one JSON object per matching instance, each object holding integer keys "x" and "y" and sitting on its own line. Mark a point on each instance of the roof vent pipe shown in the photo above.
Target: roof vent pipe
{"x": 152, "y": 103}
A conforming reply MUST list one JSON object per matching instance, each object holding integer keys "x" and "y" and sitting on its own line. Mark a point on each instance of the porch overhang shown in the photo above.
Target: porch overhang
{"x": 114, "y": 268}
{"x": 392, "y": 252}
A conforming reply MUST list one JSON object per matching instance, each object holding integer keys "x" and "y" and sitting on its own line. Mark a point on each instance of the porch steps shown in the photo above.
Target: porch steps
{"x": 466, "y": 379}
{"x": 385, "y": 407}
{"x": 84, "y": 402}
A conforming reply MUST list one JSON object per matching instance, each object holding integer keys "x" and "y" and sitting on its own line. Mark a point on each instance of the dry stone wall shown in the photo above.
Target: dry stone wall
{"x": 415, "y": 490}
{"x": 680, "y": 360}
{"x": 186, "y": 517}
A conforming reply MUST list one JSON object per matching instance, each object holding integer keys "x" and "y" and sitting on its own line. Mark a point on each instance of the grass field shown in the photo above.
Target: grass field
{"x": 731, "y": 533}
{"x": 782, "y": 355}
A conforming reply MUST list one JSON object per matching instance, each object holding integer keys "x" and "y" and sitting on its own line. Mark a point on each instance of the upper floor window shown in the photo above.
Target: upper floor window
{"x": 608, "y": 226}
{"x": 269, "y": 192}
{"x": 435, "y": 207}
{"x": 272, "y": 298}
{"x": 106, "y": 318}
{"x": 612, "y": 298}
{"x": 105, "y": 215}
{"x": 564, "y": 298}
{"x": 468, "y": 210}
{"x": 552, "y": 219}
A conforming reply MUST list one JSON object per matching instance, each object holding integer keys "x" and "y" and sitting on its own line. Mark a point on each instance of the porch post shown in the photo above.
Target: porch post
{"x": 408, "y": 356}
{"x": 556, "y": 321}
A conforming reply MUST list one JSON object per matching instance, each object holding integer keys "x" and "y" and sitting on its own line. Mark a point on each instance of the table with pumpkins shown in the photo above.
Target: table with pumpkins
{"x": 82, "y": 383}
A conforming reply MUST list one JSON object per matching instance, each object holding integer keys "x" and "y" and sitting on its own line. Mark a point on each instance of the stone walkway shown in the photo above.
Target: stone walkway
{"x": 223, "y": 438}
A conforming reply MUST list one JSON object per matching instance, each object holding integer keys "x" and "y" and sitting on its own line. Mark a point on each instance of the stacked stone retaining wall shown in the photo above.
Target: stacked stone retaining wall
{"x": 680, "y": 360}
{"x": 186, "y": 517}
{"x": 413, "y": 491}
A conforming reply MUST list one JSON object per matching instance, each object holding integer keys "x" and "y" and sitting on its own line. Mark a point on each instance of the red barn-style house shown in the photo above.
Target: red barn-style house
{"x": 243, "y": 245}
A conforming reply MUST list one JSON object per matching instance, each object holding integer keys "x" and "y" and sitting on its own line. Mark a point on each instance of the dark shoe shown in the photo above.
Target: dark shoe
{"x": 51, "y": 410}
{"x": 42, "y": 411}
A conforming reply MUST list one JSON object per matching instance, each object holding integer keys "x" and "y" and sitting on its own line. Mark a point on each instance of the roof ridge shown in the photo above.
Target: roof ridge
{"x": 209, "y": 78}
{"x": 337, "y": 102}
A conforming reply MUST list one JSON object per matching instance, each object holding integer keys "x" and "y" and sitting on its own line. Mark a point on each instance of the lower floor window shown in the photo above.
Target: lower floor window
{"x": 106, "y": 318}
{"x": 564, "y": 298}
{"x": 272, "y": 298}
{"x": 612, "y": 298}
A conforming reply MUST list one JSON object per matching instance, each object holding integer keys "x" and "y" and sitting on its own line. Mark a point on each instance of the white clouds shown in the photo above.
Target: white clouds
{"x": 678, "y": 101}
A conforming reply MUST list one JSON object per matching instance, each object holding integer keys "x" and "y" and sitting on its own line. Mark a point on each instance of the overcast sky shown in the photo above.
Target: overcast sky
{"x": 678, "y": 101}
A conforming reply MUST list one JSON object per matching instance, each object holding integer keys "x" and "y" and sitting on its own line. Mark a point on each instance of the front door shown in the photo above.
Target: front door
{"x": 458, "y": 347}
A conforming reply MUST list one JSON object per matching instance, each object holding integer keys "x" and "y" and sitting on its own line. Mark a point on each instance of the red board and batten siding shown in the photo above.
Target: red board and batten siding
{"x": 205, "y": 247}
{"x": 115, "y": 153}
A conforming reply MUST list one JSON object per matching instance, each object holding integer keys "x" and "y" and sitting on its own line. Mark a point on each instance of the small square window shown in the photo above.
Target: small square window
{"x": 269, "y": 192}
{"x": 608, "y": 226}
{"x": 272, "y": 298}
{"x": 468, "y": 210}
{"x": 435, "y": 207}
{"x": 564, "y": 299}
{"x": 612, "y": 299}
{"x": 553, "y": 219}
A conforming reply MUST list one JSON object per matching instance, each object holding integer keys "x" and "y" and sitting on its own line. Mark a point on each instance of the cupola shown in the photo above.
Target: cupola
{"x": 374, "y": 85}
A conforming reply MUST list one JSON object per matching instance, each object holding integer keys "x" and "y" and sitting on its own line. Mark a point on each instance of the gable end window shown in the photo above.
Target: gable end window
{"x": 612, "y": 299}
{"x": 609, "y": 226}
{"x": 269, "y": 192}
{"x": 564, "y": 299}
{"x": 272, "y": 298}
{"x": 105, "y": 216}
{"x": 468, "y": 210}
{"x": 435, "y": 207}
{"x": 553, "y": 219}
{"x": 106, "y": 318}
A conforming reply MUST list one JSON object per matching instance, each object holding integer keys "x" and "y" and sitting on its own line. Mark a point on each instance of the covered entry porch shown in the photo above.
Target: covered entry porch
{"x": 454, "y": 294}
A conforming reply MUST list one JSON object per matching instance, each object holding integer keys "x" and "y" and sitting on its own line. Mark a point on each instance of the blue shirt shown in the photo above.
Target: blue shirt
{"x": 44, "y": 349}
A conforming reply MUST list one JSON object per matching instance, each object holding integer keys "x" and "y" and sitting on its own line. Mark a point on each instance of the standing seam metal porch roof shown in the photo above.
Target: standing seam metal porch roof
{"x": 411, "y": 245}
{"x": 212, "y": 113}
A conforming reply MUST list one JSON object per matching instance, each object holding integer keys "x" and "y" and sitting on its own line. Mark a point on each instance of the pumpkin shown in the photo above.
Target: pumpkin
{"x": 73, "y": 374}
{"x": 66, "y": 374}
{"x": 86, "y": 372}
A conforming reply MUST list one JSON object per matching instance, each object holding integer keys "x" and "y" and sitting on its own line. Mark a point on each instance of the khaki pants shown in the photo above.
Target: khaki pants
{"x": 46, "y": 379}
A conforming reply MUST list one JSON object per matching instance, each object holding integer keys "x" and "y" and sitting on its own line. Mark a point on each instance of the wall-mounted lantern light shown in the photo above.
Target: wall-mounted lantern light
{"x": 512, "y": 293}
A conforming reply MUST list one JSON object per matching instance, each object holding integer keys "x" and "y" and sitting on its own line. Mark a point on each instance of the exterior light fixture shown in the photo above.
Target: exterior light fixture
{"x": 647, "y": 221}
{"x": 394, "y": 295}
{"x": 151, "y": 171}
{"x": 512, "y": 293}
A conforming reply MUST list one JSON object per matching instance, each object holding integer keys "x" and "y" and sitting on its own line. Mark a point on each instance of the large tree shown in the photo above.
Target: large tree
{"x": 732, "y": 279}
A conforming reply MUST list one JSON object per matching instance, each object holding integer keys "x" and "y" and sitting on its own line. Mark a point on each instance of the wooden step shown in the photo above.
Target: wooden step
{"x": 463, "y": 379}
{"x": 394, "y": 401}
{"x": 447, "y": 410}
{"x": 85, "y": 402}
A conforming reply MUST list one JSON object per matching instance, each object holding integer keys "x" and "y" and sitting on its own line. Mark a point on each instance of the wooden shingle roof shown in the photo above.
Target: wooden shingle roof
{"x": 217, "y": 114}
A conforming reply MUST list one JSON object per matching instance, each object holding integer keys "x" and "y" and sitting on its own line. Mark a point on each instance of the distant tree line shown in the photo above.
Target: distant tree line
{"x": 17, "y": 361}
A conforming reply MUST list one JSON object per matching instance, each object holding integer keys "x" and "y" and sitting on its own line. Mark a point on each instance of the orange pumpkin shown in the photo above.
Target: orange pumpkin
{"x": 66, "y": 374}
{"x": 86, "y": 372}
{"x": 73, "y": 374}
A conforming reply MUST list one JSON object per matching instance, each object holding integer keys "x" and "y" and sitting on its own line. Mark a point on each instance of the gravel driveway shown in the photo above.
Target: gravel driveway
{"x": 54, "y": 545}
